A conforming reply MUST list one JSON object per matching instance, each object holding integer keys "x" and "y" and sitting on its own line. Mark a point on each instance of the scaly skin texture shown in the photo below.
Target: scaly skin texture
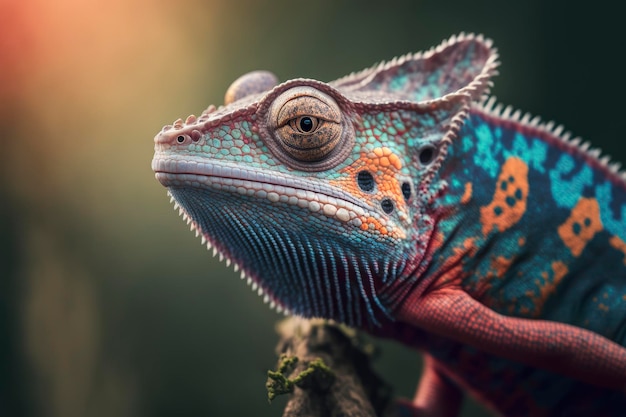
{"x": 392, "y": 201}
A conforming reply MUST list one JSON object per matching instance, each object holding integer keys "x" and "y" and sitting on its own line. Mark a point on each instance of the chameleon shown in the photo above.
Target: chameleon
{"x": 404, "y": 201}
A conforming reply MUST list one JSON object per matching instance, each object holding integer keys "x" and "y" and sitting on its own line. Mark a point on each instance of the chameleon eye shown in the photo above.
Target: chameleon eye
{"x": 306, "y": 124}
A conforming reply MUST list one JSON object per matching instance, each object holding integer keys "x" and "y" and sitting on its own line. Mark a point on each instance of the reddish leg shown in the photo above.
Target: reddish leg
{"x": 436, "y": 396}
{"x": 559, "y": 347}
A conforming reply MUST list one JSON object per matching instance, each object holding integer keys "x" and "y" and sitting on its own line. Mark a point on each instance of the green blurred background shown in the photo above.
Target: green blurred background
{"x": 109, "y": 306}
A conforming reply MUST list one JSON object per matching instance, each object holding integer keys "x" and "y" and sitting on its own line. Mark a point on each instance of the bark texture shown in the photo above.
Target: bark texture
{"x": 326, "y": 372}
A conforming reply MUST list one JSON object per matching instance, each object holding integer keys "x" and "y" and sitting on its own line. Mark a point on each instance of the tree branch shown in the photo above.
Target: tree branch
{"x": 326, "y": 371}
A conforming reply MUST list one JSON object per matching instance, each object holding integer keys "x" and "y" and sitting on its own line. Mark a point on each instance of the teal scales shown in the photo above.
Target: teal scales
{"x": 404, "y": 201}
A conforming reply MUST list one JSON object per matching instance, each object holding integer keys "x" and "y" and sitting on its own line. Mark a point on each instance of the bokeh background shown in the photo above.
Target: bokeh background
{"x": 108, "y": 305}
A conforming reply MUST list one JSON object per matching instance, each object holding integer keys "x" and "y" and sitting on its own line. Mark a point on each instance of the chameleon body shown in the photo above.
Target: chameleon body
{"x": 401, "y": 200}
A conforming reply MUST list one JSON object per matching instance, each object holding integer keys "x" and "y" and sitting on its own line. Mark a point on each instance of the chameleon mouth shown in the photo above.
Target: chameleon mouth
{"x": 317, "y": 197}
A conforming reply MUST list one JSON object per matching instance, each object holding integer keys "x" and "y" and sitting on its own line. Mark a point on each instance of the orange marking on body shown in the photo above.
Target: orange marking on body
{"x": 501, "y": 265}
{"x": 384, "y": 163}
{"x": 480, "y": 288}
{"x": 560, "y": 270}
{"x": 437, "y": 240}
{"x": 452, "y": 266}
{"x": 509, "y": 199}
{"x": 385, "y": 167}
{"x": 395, "y": 161}
{"x": 581, "y": 226}
{"x": 547, "y": 286}
{"x": 603, "y": 307}
{"x": 386, "y": 157}
{"x": 618, "y": 244}
{"x": 521, "y": 241}
{"x": 371, "y": 223}
{"x": 467, "y": 193}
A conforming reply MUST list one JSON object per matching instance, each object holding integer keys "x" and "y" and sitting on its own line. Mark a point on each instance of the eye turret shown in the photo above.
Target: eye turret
{"x": 306, "y": 123}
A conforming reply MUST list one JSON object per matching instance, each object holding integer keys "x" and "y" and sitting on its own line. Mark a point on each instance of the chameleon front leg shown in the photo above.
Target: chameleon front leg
{"x": 436, "y": 395}
{"x": 559, "y": 347}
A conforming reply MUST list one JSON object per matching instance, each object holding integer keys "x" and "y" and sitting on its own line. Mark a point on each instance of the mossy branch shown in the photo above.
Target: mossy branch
{"x": 325, "y": 372}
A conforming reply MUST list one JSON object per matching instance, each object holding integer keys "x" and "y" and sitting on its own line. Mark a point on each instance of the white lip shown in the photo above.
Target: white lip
{"x": 178, "y": 170}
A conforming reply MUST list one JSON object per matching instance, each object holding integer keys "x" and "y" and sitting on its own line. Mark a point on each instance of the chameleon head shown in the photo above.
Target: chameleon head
{"x": 323, "y": 194}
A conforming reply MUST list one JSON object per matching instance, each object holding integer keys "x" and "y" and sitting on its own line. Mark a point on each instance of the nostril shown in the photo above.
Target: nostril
{"x": 167, "y": 137}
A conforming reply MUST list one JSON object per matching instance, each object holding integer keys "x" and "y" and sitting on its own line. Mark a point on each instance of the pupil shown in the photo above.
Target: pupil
{"x": 306, "y": 124}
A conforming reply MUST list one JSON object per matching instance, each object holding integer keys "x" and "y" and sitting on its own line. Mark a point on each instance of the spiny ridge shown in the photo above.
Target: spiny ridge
{"x": 495, "y": 109}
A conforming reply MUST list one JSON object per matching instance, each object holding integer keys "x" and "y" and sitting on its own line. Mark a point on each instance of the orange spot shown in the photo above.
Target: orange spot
{"x": 452, "y": 268}
{"x": 560, "y": 270}
{"x": 619, "y": 244}
{"x": 509, "y": 199}
{"x": 437, "y": 240}
{"x": 581, "y": 226}
{"x": 500, "y": 265}
{"x": 384, "y": 165}
{"x": 603, "y": 307}
{"x": 498, "y": 268}
{"x": 467, "y": 193}
{"x": 521, "y": 241}
{"x": 395, "y": 161}
{"x": 547, "y": 286}
{"x": 371, "y": 223}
